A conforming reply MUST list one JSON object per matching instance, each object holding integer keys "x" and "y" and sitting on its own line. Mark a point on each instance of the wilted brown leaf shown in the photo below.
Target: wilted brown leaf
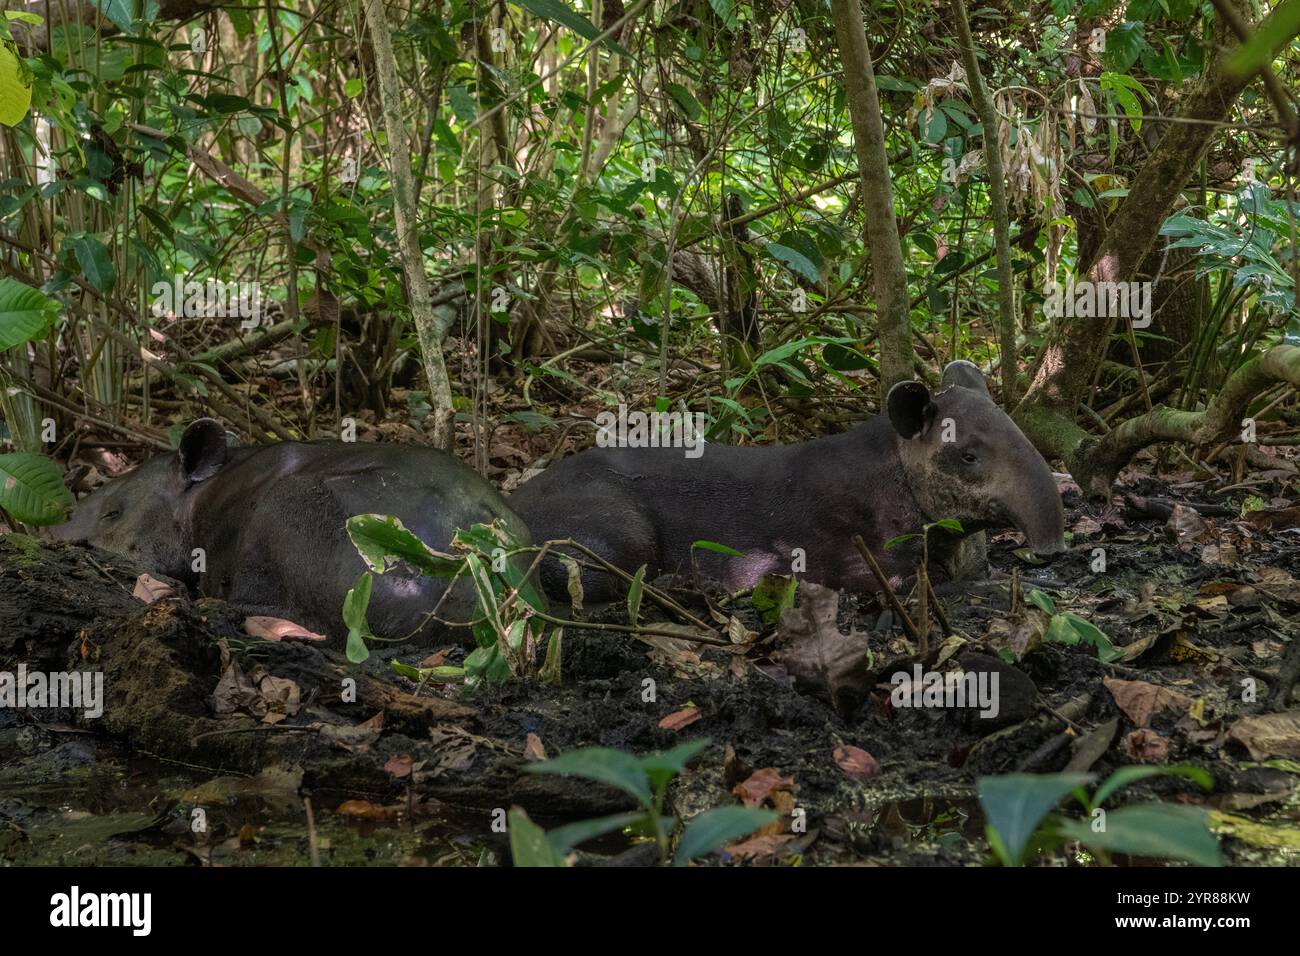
{"x": 1269, "y": 735}
{"x": 533, "y": 748}
{"x": 278, "y": 629}
{"x": 760, "y": 784}
{"x": 856, "y": 762}
{"x": 1141, "y": 701}
{"x": 149, "y": 589}
{"x": 1144, "y": 745}
{"x": 682, "y": 718}
{"x": 398, "y": 766}
{"x": 817, "y": 655}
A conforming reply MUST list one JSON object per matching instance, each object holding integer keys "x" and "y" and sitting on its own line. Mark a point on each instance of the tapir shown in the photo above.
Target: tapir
{"x": 270, "y": 521}
{"x": 795, "y": 508}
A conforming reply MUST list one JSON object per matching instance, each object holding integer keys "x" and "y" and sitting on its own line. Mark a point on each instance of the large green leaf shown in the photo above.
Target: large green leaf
{"x": 1016, "y": 803}
{"x": 355, "y": 604}
{"x": 717, "y": 827}
{"x": 31, "y": 489}
{"x": 15, "y": 87}
{"x": 528, "y": 843}
{"x": 604, "y": 765}
{"x": 25, "y": 313}
{"x": 1126, "y": 775}
{"x": 383, "y": 541}
{"x": 95, "y": 262}
{"x": 1163, "y": 830}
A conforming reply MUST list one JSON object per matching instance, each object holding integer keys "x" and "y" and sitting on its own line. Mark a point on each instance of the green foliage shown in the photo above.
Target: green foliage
{"x": 645, "y": 780}
{"x": 31, "y": 489}
{"x": 1018, "y": 809}
{"x": 506, "y": 627}
{"x": 1070, "y": 628}
{"x": 25, "y": 313}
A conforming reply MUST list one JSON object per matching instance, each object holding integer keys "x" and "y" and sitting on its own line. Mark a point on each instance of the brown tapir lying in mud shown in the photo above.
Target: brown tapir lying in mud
{"x": 954, "y": 454}
{"x": 271, "y": 522}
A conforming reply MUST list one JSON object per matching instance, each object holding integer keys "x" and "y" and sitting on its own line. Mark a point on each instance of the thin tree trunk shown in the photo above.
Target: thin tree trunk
{"x": 885, "y": 250}
{"x": 998, "y": 201}
{"x": 405, "y": 213}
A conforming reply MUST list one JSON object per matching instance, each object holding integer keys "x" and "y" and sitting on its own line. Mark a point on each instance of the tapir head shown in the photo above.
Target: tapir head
{"x": 144, "y": 514}
{"x": 964, "y": 458}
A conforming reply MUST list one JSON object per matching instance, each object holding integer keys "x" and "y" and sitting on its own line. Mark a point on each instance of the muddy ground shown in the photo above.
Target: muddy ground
{"x": 219, "y": 748}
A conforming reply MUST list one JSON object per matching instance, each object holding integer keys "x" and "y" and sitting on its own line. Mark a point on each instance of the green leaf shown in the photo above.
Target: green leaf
{"x": 25, "y": 313}
{"x": 717, "y": 827}
{"x": 529, "y": 845}
{"x": 95, "y": 263}
{"x": 1127, "y": 775}
{"x": 565, "y": 838}
{"x": 794, "y": 260}
{"x": 1016, "y": 803}
{"x": 119, "y": 11}
{"x": 683, "y": 98}
{"x": 894, "y": 542}
{"x": 31, "y": 489}
{"x": 355, "y": 604}
{"x": 1124, "y": 43}
{"x": 604, "y": 765}
{"x": 662, "y": 767}
{"x": 1165, "y": 830}
{"x": 15, "y": 87}
{"x": 634, "y": 592}
{"x": 560, "y": 13}
{"x": 383, "y": 541}
{"x": 1042, "y": 601}
{"x": 353, "y": 87}
{"x": 718, "y": 548}
{"x": 773, "y": 594}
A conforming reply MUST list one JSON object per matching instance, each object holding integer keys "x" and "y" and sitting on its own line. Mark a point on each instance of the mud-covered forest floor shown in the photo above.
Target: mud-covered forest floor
{"x": 218, "y": 748}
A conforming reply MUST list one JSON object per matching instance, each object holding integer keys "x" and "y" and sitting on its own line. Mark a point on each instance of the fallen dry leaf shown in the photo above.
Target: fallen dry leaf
{"x": 759, "y": 786}
{"x": 1186, "y": 525}
{"x": 817, "y": 655}
{"x": 1269, "y": 735}
{"x": 682, "y": 718}
{"x": 760, "y": 846}
{"x": 1141, "y": 701}
{"x": 399, "y": 766}
{"x": 149, "y": 589}
{"x": 856, "y": 762}
{"x": 533, "y": 748}
{"x": 1144, "y": 745}
{"x": 278, "y": 629}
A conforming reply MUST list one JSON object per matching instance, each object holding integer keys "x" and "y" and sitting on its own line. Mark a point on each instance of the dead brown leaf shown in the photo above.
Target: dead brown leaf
{"x": 149, "y": 589}
{"x": 1144, "y": 745}
{"x": 399, "y": 766}
{"x": 533, "y": 748}
{"x": 760, "y": 784}
{"x": 856, "y": 762}
{"x": 1141, "y": 701}
{"x": 278, "y": 629}
{"x": 682, "y": 718}
{"x": 1269, "y": 735}
{"x": 820, "y": 658}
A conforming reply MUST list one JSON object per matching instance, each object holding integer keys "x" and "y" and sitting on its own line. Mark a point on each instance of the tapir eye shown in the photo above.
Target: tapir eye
{"x": 110, "y": 515}
{"x": 969, "y": 457}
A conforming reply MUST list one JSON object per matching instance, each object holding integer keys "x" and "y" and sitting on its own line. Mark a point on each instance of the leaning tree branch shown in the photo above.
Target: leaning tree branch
{"x": 1098, "y": 462}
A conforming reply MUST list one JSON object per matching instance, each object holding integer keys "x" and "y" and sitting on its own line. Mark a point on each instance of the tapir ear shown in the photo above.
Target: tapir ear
{"x": 966, "y": 374}
{"x": 910, "y": 408}
{"x": 203, "y": 449}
